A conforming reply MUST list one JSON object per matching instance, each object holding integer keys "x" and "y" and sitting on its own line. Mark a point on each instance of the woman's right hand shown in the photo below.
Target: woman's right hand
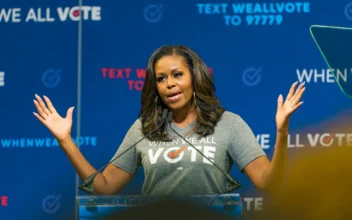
{"x": 58, "y": 126}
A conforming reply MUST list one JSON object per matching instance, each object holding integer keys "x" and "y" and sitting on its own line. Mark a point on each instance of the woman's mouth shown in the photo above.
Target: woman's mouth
{"x": 174, "y": 96}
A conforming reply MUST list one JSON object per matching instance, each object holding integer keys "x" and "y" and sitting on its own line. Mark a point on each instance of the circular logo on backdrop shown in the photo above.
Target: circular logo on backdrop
{"x": 251, "y": 76}
{"x": 153, "y": 13}
{"x": 51, "y": 77}
{"x": 348, "y": 11}
{"x": 51, "y": 204}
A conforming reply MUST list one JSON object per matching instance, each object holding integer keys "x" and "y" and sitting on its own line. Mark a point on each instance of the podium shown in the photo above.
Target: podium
{"x": 97, "y": 207}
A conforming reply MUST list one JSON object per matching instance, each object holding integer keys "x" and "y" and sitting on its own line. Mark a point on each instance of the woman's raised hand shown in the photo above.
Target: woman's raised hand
{"x": 58, "y": 126}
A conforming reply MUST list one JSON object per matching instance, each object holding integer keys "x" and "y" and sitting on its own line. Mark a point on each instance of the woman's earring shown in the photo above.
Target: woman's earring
{"x": 156, "y": 99}
{"x": 194, "y": 98}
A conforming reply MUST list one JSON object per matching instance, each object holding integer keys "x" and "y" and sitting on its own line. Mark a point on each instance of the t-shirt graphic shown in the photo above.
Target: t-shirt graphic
{"x": 176, "y": 168}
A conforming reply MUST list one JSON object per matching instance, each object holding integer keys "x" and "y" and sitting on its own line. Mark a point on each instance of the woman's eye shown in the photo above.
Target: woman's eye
{"x": 178, "y": 75}
{"x": 160, "y": 79}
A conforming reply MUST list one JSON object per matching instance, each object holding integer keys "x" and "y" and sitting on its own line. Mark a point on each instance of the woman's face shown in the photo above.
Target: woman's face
{"x": 174, "y": 82}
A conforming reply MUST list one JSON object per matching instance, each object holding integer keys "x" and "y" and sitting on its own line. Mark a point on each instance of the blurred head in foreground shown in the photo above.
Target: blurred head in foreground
{"x": 319, "y": 180}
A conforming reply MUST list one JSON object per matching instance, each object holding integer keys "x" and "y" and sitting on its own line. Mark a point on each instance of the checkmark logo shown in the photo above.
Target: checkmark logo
{"x": 176, "y": 153}
{"x": 51, "y": 77}
{"x": 153, "y": 13}
{"x": 251, "y": 76}
{"x": 348, "y": 11}
{"x": 327, "y": 140}
{"x": 51, "y": 204}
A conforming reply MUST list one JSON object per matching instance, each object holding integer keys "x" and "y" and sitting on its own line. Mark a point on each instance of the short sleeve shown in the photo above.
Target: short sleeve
{"x": 129, "y": 160}
{"x": 244, "y": 146}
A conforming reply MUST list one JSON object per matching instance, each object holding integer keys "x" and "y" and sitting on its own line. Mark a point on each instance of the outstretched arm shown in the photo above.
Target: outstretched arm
{"x": 268, "y": 175}
{"x": 110, "y": 181}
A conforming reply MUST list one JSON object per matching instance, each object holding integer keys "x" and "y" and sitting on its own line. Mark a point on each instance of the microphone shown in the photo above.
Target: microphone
{"x": 87, "y": 185}
{"x": 233, "y": 182}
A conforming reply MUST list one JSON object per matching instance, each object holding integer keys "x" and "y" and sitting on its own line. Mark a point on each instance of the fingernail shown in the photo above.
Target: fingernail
{"x": 35, "y": 95}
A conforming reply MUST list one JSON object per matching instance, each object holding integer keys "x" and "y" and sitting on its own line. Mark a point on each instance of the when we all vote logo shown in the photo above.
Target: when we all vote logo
{"x": 18, "y": 15}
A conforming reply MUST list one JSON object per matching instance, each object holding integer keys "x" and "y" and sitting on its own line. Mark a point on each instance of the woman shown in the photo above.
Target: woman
{"x": 177, "y": 79}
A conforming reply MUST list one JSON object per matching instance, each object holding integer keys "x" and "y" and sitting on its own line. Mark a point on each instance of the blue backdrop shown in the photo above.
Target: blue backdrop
{"x": 255, "y": 50}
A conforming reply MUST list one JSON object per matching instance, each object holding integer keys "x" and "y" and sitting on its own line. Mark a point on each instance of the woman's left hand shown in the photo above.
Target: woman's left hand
{"x": 291, "y": 104}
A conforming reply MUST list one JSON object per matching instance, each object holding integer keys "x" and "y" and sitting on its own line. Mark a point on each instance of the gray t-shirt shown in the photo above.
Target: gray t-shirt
{"x": 176, "y": 168}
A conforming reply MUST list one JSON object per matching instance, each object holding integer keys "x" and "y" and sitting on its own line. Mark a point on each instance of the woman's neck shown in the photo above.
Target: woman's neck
{"x": 184, "y": 118}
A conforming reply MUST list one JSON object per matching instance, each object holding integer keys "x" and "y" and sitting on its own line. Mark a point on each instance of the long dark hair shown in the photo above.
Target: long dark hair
{"x": 208, "y": 108}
